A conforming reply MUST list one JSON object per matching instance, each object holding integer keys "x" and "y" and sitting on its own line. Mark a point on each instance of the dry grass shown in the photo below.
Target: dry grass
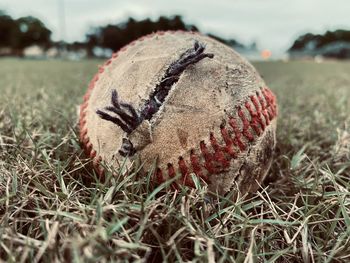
{"x": 54, "y": 209}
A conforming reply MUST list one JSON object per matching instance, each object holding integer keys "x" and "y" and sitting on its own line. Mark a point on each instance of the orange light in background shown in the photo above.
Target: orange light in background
{"x": 266, "y": 54}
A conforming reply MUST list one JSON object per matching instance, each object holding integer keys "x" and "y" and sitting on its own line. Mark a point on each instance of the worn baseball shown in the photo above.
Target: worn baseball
{"x": 186, "y": 106}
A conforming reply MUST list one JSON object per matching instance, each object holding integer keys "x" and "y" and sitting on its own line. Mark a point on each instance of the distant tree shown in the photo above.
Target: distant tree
{"x": 313, "y": 42}
{"x": 335, "y": 44}
{"x": 20, "y": 33}
{"x": 116, "y": 36}
{"x": 76, "y": 46}
{"x": 229, "y": 42}
{"x": 31, "y": 31}
{"x": 8, "y": 28}
{"x": 91, "y": 42}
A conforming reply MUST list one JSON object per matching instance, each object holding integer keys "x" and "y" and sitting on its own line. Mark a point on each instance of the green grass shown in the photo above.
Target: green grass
{"x": 53, "y": 208}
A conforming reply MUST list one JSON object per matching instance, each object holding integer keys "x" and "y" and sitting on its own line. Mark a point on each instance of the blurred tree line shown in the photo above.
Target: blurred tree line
{"x": 20, "y": 33}
{"x": 117, "y": 36}
{"x": 17, "y": 34}
{"x": 334, "y": 44}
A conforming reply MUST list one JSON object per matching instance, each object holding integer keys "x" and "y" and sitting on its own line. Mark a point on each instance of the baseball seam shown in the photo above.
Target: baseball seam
{"x": 216, "y": 158}
{"x": 255, "y": 114}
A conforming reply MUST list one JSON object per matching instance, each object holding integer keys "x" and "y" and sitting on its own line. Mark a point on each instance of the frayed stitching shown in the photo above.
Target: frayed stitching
{"x": 84, "y": 138}
{"x": 128, "y": 118}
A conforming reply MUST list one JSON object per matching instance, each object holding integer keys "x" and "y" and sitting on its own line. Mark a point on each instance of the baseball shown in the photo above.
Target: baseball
{"x": 186, "y": 106}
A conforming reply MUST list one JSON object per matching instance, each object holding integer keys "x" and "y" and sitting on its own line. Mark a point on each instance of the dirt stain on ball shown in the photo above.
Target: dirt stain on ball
{"x": 183, "y": 136}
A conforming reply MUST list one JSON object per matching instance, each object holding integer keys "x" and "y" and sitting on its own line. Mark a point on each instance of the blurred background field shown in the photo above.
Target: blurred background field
{"x": 84, "y": 29}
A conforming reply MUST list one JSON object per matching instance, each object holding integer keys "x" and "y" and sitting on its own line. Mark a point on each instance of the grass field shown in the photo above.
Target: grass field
{"x": 54, "y": 209}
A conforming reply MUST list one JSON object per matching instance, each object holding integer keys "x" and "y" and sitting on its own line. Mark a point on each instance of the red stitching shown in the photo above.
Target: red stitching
{"x": 83, "y": 107}
{"x": 208, "y": 164}
{"x": 238, "y": 135}
{"x": 85, "y": 140}
{"x": 271, "y": 100}
{"x": 159, "y": 178}
{"x": 219, "y": 155}
{"x": 186, "y": 179}
{"x": 83, "y": 114}
{"x": 182, "y": 166}
{"x": 196, "y": 166}
{"x": 264, "y": 102}
{"x": 263, "y": 108}
{"x": 171, "y": 170}
{"x": 86, "y": 98}
{"x": 132, "y": 43}
{"x": 246, "y": 125}
{"x": 83, "y": 132}
{"x": 109, "y": 61}
{"x": 253, "y": 122}
{"x": 171, "y": 174}
{"x": 258, "y": 115}
{"x": 93, "y": 154}
{"x": 229, "y": 143}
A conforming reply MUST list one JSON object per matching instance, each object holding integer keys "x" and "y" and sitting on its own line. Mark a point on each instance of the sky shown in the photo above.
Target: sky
{"x": 273, "y": 24}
